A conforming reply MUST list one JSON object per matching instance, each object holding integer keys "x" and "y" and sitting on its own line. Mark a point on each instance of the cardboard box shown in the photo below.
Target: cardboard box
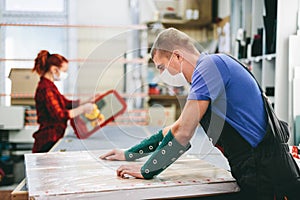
{"x": 23, "y": 85}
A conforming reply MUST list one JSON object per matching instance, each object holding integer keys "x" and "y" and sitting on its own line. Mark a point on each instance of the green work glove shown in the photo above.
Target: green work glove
{"x": 166, "y": 153}
{"x": 144, "y": 148}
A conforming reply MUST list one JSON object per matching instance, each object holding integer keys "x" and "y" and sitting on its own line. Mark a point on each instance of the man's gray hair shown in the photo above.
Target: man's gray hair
{"x": 172, "y": 39}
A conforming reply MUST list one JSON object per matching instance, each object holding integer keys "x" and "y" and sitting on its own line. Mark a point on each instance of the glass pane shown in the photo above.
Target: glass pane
{"x": 35, "y": 5}
{"x": 33, "y": 39}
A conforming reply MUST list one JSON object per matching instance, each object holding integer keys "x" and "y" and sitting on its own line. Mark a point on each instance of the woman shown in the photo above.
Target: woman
{"x": 53, "y": 109}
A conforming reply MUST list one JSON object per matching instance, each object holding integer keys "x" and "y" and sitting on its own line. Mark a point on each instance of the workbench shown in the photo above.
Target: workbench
{"x": 72, "y": 170}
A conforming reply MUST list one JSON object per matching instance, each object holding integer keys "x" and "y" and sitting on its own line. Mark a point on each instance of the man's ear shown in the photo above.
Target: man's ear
{"x": 178, "y": 54}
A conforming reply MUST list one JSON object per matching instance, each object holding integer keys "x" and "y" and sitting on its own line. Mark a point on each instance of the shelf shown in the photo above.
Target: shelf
{"x": 179, "y": 19}
{"x": 268, "y": 57}
{"x": 180, "y": 23}
{"x": 168, "y": 97}
{"x": 168, "y": 100}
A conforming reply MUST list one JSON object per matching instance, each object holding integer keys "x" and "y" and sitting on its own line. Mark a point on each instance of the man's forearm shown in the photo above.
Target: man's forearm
{"x": 147, "y": 146}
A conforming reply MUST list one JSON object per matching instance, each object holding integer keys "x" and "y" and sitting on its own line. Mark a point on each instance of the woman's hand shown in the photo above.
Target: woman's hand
{"x": 124, "y": 171}
{"x": 115, "y": 154}
{"x": 85, "y": 108}
{"x": 88, "y": 107}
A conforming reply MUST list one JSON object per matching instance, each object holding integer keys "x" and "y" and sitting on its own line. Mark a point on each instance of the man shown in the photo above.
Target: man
{"x": 227, "y": 102}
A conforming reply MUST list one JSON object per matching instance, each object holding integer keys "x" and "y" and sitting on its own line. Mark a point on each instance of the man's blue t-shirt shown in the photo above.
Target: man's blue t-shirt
{"x": 233, "y": 93}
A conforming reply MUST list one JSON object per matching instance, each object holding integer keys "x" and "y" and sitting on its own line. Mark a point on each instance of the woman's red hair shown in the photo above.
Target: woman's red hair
{"x": 44, "y": 60}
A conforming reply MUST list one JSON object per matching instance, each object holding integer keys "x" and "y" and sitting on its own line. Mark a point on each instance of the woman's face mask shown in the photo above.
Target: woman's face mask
{"x": 62, "y": 76}
{"x": 176, "y": 80}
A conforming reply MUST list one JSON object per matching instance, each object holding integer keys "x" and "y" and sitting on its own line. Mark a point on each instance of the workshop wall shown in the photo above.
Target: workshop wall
{"x": 99, "y": 46}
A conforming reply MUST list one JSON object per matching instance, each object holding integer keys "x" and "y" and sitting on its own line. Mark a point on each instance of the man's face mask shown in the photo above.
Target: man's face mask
{"x": 176, "y": 80}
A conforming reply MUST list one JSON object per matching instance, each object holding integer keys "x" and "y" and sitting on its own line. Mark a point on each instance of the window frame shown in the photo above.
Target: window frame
{"x": 29, "y": 14}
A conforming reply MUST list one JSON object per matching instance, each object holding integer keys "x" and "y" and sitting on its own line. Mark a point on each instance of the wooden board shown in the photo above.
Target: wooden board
{"x": 19, "y": 193}
{"x": 76, "y": 173}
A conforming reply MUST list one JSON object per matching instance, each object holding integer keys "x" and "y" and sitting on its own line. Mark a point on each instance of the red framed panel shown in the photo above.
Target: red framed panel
{"x": 80, "y": 126}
